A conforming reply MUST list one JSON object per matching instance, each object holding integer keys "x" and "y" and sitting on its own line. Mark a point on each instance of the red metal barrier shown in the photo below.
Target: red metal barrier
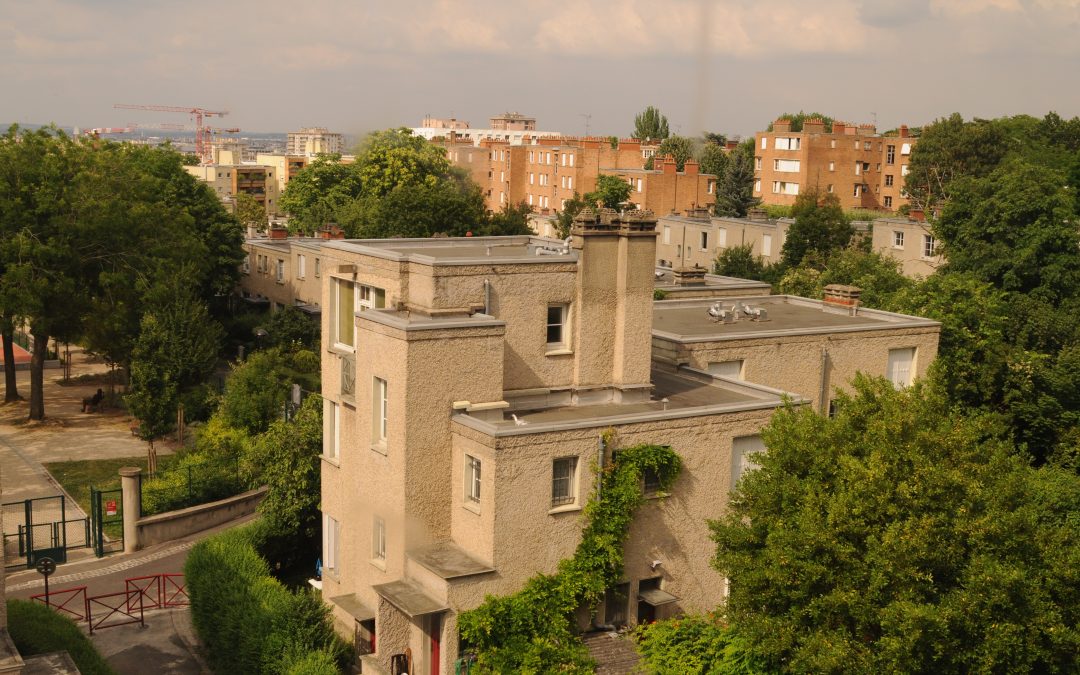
{"x": 148, "y": 591}
{"x": 71, "y": 602}
{"x": 116, "y": 603}
{"x": 173, "y": 591}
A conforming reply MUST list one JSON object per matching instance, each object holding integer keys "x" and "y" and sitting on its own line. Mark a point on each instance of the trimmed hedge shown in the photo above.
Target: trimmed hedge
{"x": 695, "y": 645}
{"x": 247, "y": 620}
{"x": 37, "y": 629}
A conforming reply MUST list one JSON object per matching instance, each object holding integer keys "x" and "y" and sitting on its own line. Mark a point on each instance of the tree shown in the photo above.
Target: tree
{"x": 713, "y": 159}
{"x": 740, "y": 262}
{"x": 820, "y": 227}
{"x": 258, "y": 387}
{"x": 250, "y": 212}
{"x": 903, "y": 535}
{"x": 290, "y": 329}
{"x": 680, "y": 148}
{"x": 950, "y": 148}
{"x": 511, "y": 219}
{"x": 420, "y": 210}
{"x": 395, "y": 158}
{"x": 650, "y": 125}
{"x": 798, "y": 119}
{"x": 735, "y": 189}
{"x": 565, "y": 219}
{"x": 315, "y": 194}
{"x": 611, "y": 192}
{"x": 289, "y": 454}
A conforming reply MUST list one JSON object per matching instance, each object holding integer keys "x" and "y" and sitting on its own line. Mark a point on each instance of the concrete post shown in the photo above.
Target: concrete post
{"x": 132, "y": 496}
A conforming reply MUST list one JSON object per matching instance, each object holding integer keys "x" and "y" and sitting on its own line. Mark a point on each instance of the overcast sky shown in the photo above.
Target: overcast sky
{"x": 722, "y": 65}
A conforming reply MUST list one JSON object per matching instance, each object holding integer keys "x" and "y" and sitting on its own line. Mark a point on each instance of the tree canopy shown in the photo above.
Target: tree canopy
{"x": 611, "y": 192}
{"x": 735, "y": 188}
{"x": 903, "y": 535}
{"x": 820, "y": 227}
{"x": 680, "y": 148}
{"x": 650, "y": 125}
{"x": 797, "y": 120}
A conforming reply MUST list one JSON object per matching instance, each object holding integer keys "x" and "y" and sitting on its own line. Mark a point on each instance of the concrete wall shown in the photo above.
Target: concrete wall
{"x": 176, "y": 524}
{"x": 910, "y": 254}
{"x": 678, "y": 243}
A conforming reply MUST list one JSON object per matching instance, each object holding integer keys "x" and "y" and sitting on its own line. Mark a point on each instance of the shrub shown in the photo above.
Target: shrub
{"x": 248, "y": 621}
{"x": 695, "y": 644}
{"x": 193, "y": 478}
{"x": 37, "y": 629}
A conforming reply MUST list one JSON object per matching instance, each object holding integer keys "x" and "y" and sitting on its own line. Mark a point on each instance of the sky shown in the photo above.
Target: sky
{"x": 728, "y": 66}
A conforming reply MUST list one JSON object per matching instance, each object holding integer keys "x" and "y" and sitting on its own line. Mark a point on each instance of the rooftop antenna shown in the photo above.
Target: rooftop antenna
{"x": 588, "y": 117}
{"x": 874, "y": 116}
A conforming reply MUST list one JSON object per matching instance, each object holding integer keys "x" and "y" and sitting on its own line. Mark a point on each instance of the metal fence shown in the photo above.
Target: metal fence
{"x": 41, "y": 526}
{"x": 185, "y": 486}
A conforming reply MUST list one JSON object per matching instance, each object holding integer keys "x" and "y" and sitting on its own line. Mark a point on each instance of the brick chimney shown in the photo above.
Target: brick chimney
{"x": 691, "y": 168}
{"x": 839, "y": 127}
{"x": 917, "y": 215}
{"x": 668, "y": 165}
{"x": 814, "y": 125}
{"x": 841, "y": 298}
{"x": 904, "y": 131}
{"x": 781, "y": 126}
{"x": 331, "y": 231}
{"x": 279, "y": 232}
{"x": 689, "y": 276}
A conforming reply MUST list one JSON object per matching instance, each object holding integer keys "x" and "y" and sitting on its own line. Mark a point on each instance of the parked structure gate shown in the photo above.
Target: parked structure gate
{"x": 107, "y": 513}
{"x": 40, "y": 527}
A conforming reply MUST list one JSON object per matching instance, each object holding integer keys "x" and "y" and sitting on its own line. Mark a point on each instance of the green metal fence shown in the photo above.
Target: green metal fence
{"x": 191, "y": 484}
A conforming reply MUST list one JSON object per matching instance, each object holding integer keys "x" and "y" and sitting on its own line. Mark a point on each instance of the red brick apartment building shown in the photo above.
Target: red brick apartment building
{"x": 546, "y": 174}
{"x": 864, "y": 169}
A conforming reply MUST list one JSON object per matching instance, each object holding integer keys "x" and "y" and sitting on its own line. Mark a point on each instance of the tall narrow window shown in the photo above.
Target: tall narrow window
{"x": 301, "y": 266}
{"x": 929, "y": 246}
{"x": 890, "y": 154}
{"x": 721, "y": 237}
{"x": 766, "y": 245}
{"x": 281, "y": 271}
{"x": 556, "y": 325}
{"x": 331, "y": 429}
{"x": 901, "y": 366}
{"x": 379, "y": 410}
{"x": 472, "y": 476}
{"x": 345, "y": 308}
{"x": 331, "y": 547}
{"x": 378, "y": 539}
{"x": 743, "y": 449}
{"x": 563, "y": 481}
{"x": 704, "y": 241}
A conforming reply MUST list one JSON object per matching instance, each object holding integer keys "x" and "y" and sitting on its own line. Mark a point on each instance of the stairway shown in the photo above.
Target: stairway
{"x": 614, "y": 653}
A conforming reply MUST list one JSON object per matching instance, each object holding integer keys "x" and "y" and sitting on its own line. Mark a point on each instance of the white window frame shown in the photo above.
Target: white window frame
{"x": 378, "y": 540}
{"x": 766, "y": 245}
{"x": 929, "y": 246}
{"x": 301, "y": 266}
{"x": 280, "y": 271}
{"x": 764, "y": 142}
{"x": 897, "y": 239}
{"x": 473, "y": 474}
{"x": 564, "y": 325}
{"x": 742, "y": 447}
{"x": 901, "y": 366}
{"x": 721, "y": 237}
{"x": 331, "y": 546}
{"x": 379, "y": 410}
{"x": 561, "y": 498}
{"x": 331, "y": 430}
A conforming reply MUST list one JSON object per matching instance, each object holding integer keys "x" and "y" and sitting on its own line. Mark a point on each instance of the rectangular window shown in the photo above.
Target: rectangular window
{"x": 888, "y": 180}
{"x": 651, "y": 480}
{"x": 345, "y": 307}
{"x": 331, "y": 547}
{"x": 904, "y": 170}
{"x": 667, "y": 234}
{"x": 832, "y": 143}
{"x": 901, "y": 366}
{"x": 898, "y": 239}
{"x": 281, "y": 271}
{"x": 704, "y": 241}
{"x": 731, "y": 369}
{"x": 928, "y": 246}
{"x": 858, "y": 168}
{"x": 905, "y": 149}
{"x": 570, "y": 179}
{"x": 785, "y": 188}
{"x": 890, "y": 154}
{"x": 888, "y": 202}
{"x": 721, "y": 237}
{"x": 866, "y": 145}
{"x": 472, "y": 476}
{"x": 710, "y": 187}
{"x": 743, "y": 450}
{"x": 764, "y": 142}
{"x": 757, "y": 164}
{"x": 787, "y": 143}
{"x": 858, "y": 190}
{"x": 318, "y": 267}
{"x": 378, "y": 411}
{"x": 532, "y": 178}
{"x": 757, "y": 185}
{"x": 331, "y": 430}
{"x": 829, "y": 189}
{"x": 639, "y": 185}
{"x": 832, "y": 166}
{"x": 378, "y": 539}
{"x": 563, "y": 481}
{"x": 301, "y": 266}
{"x": 766, "y": 245}
{"x": 786, "y": 165}
{"x": 556, "y": 325}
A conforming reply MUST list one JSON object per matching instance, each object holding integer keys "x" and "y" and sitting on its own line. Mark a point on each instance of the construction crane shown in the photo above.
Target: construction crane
{"x": 202, "y": 136}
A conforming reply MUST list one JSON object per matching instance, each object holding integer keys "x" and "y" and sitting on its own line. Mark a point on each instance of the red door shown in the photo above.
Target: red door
{"x": 436, "y": 630}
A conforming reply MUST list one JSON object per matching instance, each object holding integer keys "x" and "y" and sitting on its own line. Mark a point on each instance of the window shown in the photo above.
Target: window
{"x": 732, "y": 369}
{"x": 301, "y": 266}
{"x": 378, "y": 410}
{"x": 888, "y": 202}
{"x": 764, "y": 143}
{"x": 785, "y": 188}
{"x": 890, "y": 154}
{"x": 472, "y": 477}
{"x": 247, "y": 266}
{"x": 905, "y": 149}
{"x": 280, "y": 271}
{"x": 667, "y": 234}
{"x": 378, "y": 539}
{"x": 928, "y": 246}
{"x": 556, "y": 325}
{"x": 786, "y": 165}
{"x": 721, "y": 237}
{"x": 639, "y": 185}
{"x": 710, "y": 187}
{"x": 766, "y": 245}
{"x": 318, "y": 267}
{"x": 757, "y": 185}
{"x": 829, "y": 188}
{"x": 833, "y": 409}
{"x": 858, "y": 168}
{"x": 563, "y": 480}
{"x": 571, "y": 160}
{"x": 856, "y": 145}
{"x": 901, "y": 366}
{"x": 898, "y": 239}
{"x": 832, "y": 166}
{"x": 757, "y": 164}
{"x": 866, "y": 145}
{"x": 888, "y": 180}
{"x": 344, "y": 305}
{"x": 331, "y": 430}
{"x": 858, "y": 189}
{"x": 787, "y": 143}
{"x": 904, "y": 170}
{"x": 570, "y": 180}
{"x": 832, "y": 143}
{"x": 331, "y": 534}
{"x": 704, "y": 241}
{"x": 532, "y": 178}
{"x": 651, "y": 481}
{"x": 743, "y": 449}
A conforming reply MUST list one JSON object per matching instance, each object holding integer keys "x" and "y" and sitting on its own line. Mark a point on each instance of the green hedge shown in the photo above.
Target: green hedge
{"x": 247, "y": 620}
{"x": 194, "y": 477}
{"x": 694, "y": 645}
{"x": 37, "y": 629}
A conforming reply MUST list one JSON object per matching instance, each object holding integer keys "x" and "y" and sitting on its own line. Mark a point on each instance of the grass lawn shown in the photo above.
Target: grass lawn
{"x": 77, "y": 477}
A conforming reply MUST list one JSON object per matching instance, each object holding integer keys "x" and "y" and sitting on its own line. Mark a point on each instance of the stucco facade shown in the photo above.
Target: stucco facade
{"x": 910, "y": 242}
{"x": 467, "y": 383}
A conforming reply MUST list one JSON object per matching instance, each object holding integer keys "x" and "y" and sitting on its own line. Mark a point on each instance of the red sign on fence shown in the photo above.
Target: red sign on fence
{"x": 110, "y": 507}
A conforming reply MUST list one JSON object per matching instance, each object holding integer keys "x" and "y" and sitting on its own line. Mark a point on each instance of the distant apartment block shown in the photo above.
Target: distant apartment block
{"x": 280, "y": 271}
{"x": 229, "y": 180}
{"x": 695, "y": 238}
{"x": 443, "y": 123}
{"x": 547, "y": 174}
{"x": 285, "y": 166}
{"x": 513, "y": 121}
{"x": 231, "y": 151}
{"x": 312, "y": 141}
{"x": 909, "y": 241}
{"x": 864, "y": 169}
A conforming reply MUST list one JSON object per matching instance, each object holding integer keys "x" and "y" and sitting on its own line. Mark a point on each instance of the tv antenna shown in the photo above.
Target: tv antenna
{"x": 588, "y": 117}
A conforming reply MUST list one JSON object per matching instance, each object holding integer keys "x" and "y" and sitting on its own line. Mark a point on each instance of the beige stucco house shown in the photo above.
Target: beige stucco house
{"x": 467, "y": 383}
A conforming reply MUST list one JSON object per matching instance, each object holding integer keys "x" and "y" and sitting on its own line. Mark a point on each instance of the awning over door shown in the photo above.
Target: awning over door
{"x": 409, "y": 598}
{"x": 352, "y": 605}
{"x": 656, "y": 597}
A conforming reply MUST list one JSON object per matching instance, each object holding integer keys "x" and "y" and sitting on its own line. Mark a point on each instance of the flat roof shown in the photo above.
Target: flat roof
{"x": 689, "y": 320}
{"x": 462, "y": 250}
{"x": 449, "y": 561}
{"x": 665, "y": 278}
{"x": 688, "y": 393}
{"x": 410, "y": 598}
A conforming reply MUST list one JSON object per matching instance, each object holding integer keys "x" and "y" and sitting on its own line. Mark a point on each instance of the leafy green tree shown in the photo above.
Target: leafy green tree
{"x": 155, "y": 392}
{"x": 739, "y": 261}
{"x": 315, "y": 194}
{"x": 798, "y": 119}
{"x": 735, "y": 189}
{"x": 250, "y": 212}
{"x": 713, "y": 159}
{"x": 290, "y": 329}
{"x": 901, "y": 536}
{"x": 948, "y": 149}
{"x": 421, "y": 210}
{"x": 611, "y": 192}
{"x": 565, "y": 219}
{"x": 396, "y": 158}
{"x": 289, "y": 453}
{"x": 1014, "y": 228}
{"x": 819, "y": 228}
{"x": 680, "y": 148}
{"x": 650, "y": 125}
{"x": 878, "y": 276}
{"x": 257, "y": 388}
{"x": 511, "y": 219}
{"x": 700, "y": 644}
